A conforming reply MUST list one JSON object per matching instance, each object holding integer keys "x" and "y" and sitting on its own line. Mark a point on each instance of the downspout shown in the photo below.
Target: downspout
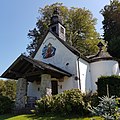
{"x": 79, "y": 72}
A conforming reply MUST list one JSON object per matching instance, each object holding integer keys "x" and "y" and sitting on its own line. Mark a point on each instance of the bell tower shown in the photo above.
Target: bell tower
{"x": 56, "y": 25}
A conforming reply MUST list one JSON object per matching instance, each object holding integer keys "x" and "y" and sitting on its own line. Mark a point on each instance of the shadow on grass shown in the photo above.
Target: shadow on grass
{"x": 53, "y": 117}
{"x": 44, "y": 117}
{"x": 6, "y": 116}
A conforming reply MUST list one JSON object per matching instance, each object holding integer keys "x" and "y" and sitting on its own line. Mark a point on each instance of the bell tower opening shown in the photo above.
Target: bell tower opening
{"x": 54, "y": 29}
{"x": 56, "y": 25}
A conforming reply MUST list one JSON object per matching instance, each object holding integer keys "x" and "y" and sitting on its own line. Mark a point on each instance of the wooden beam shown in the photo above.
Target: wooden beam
{"x": 17, "y": 74}
{"x": 32, "y": 73}
{"x": 25, "y": 67}
{"x": 30, "y": 70}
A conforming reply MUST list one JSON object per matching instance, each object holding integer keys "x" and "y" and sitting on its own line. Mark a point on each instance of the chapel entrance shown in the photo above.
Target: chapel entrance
{"x": 54, "y": 87}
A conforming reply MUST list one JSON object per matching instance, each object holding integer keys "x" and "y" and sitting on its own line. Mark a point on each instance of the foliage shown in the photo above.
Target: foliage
{"x": 2, "y": 85}
{"x": 5, "y": 105}
{"x": 91, "y": 99}
{"x": 80, "y": 28}
{"x": 8, "y": 88}
{"x": 114, "y": 47}
{"x": 68, "y": 102}
{"x": 107, "y": 108}
{"x": 113, "y": 83}
{"x": 111, "y": 27}
{"x": 45, "y": 104}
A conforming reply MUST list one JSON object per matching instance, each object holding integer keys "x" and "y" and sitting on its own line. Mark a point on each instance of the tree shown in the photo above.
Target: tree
{"x": 2, "y": 85}
{"x": 8, "y": 88}
{"x": 111, "y": 27}
{"x": 80, "y": 28}
{"x": 107, "y": 108}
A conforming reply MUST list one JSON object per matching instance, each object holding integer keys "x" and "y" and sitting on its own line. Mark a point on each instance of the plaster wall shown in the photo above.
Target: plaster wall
{"x": 67, "y": 84}
{"x": 103, "y": 68}
{"x": 33, "y": 90}
{"x": 85, "y": 76}
{"x": 63, "y": 57}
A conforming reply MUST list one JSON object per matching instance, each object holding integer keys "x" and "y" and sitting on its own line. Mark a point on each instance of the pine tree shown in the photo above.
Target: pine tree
{"x": 107, "y": 108}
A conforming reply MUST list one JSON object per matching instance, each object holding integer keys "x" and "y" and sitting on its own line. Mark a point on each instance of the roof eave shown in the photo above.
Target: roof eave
{"x": 101, "y": 59}
{"x": 42, "y": 67}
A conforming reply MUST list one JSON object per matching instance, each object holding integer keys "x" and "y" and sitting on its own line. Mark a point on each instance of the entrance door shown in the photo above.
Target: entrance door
{"x": 54, "y": 86}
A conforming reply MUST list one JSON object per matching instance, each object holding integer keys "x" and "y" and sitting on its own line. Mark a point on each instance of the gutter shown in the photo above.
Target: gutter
{"x": 79, "y": 72}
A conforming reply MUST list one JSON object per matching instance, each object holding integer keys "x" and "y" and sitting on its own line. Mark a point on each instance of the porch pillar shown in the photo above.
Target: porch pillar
{"x": 21, "y": 93}
{"x": 45, "y": 85}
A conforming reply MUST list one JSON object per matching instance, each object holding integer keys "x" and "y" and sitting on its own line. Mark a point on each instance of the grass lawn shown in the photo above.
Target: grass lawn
{"x": 45, "y": 117}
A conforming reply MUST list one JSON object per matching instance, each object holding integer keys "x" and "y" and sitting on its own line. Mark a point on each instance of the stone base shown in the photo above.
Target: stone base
{"x": 45, "y": 85}
{"x": 21, "y": 93}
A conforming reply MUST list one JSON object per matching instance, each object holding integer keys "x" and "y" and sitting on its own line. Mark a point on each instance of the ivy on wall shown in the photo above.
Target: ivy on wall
{"x": 109, "y": 85}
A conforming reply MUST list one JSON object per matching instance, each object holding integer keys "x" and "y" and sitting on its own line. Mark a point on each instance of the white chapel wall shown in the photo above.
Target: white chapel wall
{"x": 65, "y": 85}
{"x": 33, "y": 90}
{"x": 62, "y": 55}
{"x": 85, "y": 76}
{"x": 103, "y": 68}
{"x": 63, "y": 59}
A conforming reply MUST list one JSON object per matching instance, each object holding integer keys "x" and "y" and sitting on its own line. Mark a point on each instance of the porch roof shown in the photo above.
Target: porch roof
{"x": 31, "y": 69}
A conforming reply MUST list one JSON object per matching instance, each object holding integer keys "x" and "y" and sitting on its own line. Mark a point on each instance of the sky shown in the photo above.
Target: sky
{"x": 17, "y": 17}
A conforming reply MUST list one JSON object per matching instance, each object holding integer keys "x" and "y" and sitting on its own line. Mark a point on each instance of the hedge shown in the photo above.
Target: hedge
{"x": 113, "y": 83}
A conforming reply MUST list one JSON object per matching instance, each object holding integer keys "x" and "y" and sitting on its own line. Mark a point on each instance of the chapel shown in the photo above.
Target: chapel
{"x": 56, "y": 66}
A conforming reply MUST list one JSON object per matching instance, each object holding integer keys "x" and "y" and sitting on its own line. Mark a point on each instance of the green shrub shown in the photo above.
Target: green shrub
{"x": 5, "y": 105}
{"x": 94, "y": 99}
{"x": 91, "y": 100}
{"x": 44, "y": 105}
{"x": 68, "y": 102}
